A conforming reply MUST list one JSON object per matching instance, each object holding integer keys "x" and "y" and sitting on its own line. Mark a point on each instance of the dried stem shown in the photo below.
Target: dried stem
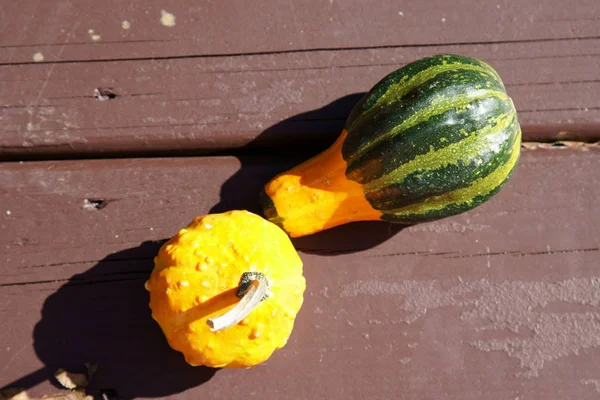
{"x": 255, "y": 293}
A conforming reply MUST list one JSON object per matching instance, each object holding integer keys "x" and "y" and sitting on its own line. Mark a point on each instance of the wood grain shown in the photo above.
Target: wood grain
{"x": 501, "y": 301}
{"x": 261, "y": 101}
{"x": 61, "y": 30}
{"x": 227, "y": 77}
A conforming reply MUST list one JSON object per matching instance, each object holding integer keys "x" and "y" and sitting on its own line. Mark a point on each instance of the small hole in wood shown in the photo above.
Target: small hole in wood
{"x": 104, "y": 94}
{"x": 94, "y": 204}
{"x": 558, "y": 144}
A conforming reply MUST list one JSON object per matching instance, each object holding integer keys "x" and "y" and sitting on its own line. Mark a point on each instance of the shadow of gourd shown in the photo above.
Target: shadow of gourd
{"x": 292, "y": 141}
{"x": 102, "y": 316}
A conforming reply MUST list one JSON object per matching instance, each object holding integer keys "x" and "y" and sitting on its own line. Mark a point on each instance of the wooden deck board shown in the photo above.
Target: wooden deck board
{"x": 218, "y": 104}
{"x": 61, "y": 30}
{"x": 385, "y": 312}
{"x": 501, "y": 302}
{"x": 193, "y": 90}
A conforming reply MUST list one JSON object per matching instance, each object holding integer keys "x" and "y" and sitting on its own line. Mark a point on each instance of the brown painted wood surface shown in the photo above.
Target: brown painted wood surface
{"x": 500, "y": 302}
{"x": 269, "y": 74}
{"x": 233, "y": 27}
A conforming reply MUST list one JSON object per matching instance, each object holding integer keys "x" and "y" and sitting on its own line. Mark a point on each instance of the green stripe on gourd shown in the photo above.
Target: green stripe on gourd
{"x": 478, "y": 146}
{"x": 441, "y": 131}
{"x": 459, "y": 200}
{"x": 400, "y": 89}
{"x": 397, "y": 84}
{"x": 448, "y": 91}
{"x": 432, "y": 139}
{"x": 422, "y": 183}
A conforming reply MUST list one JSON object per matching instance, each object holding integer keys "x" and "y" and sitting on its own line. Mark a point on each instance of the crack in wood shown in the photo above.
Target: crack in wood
{"x": 559, "y": 109}
{"x": 80, "y": 280}
{"x": 129, "y": 259}
{"x": 300, "y": 51}
{"x": 527, "y": 254}
{"x": 74, "y": 281}
{"x": 18, "y": 46}
{"x": 559, "y": 144}
{"x": 18, "y": 154}
{"x": 415, "y": 253}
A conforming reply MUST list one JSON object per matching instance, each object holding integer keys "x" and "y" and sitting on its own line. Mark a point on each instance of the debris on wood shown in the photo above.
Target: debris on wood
{"x": 75, "y": 382}
{"x": 21, "y": 394}
{"x": 75, "y": 395}
{"x": 562, "y": 144}
{"x": 94, "y": 204}
{"x": 71, "y": 380}
{"x": 14, "y": 394}
{"x": 104, "y": 94}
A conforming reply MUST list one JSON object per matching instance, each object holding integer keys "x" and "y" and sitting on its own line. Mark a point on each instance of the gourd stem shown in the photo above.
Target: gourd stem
{"x": 255, "y": 293}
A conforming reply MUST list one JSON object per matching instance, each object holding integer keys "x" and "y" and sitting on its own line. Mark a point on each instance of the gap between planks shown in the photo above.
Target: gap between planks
{"x": 238, "y": 152}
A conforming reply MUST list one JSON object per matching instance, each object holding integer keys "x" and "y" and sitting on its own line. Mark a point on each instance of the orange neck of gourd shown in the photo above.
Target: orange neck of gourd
{"x": 316, "y": 194}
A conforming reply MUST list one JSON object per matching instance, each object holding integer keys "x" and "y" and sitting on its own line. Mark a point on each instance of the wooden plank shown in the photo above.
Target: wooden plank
{"x": 208, "y": 104}
{"x": 61, "y": 31}
{"x": 500, "y": 302}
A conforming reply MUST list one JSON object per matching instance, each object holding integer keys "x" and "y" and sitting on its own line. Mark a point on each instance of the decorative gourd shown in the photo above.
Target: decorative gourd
{"x": 435, "y": 138}
{"x": 226, "y": 290}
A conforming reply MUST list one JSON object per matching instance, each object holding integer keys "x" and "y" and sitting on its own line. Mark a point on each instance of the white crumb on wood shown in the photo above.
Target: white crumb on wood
{"x": 93, "y": 35}
{"x": 167, "y": 19}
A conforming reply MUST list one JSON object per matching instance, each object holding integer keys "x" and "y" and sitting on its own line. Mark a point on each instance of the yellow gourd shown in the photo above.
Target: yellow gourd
{"x": 213, "y": 272}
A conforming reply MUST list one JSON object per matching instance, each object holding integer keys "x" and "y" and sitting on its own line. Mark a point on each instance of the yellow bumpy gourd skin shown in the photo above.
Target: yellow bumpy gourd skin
{"x": 196, "y": 275}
